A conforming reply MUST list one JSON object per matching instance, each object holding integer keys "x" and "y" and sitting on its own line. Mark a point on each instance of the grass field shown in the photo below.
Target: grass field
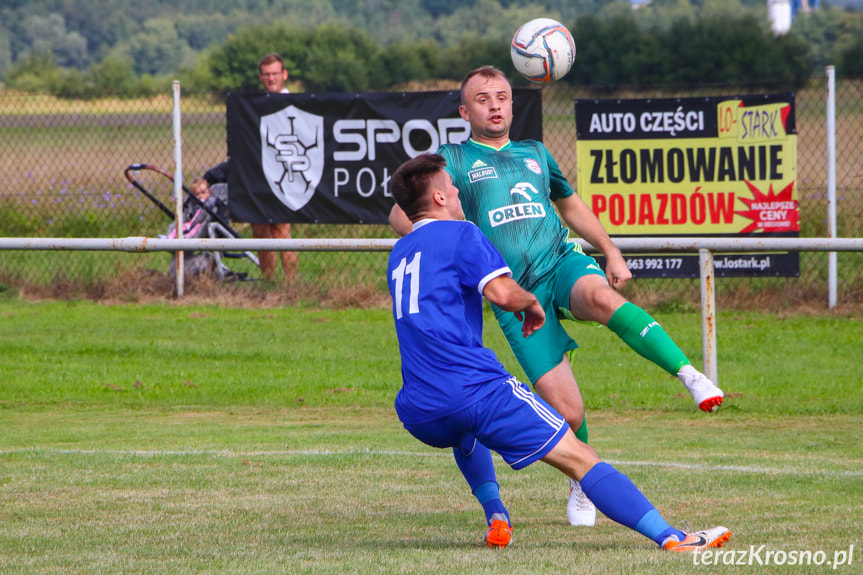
{"x": 197, "y": 439}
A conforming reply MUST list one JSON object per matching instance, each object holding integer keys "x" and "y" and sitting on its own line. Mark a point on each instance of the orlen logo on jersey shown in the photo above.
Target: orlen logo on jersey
{"x": 517, "y": 212}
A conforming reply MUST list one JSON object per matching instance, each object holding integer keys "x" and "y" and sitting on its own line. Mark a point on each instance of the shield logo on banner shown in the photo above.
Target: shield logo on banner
{"x": 292, "y": 154}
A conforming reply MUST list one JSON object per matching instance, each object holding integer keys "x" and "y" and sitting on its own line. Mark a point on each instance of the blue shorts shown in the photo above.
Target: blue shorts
{"x": 545, "y": 348}
{"x": 512, "y": 420}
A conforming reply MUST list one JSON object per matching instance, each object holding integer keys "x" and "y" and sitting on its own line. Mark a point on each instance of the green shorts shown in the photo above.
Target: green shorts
{"x": 545, "y": 348}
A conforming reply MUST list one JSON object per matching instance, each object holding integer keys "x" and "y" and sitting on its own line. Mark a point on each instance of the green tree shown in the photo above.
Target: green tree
{"x": 114, "y": 75}
{"x": 732, "y": 49}
{"x": 407, "y": 61}
{"x": 199, "y": 76}
{"x": 158, "y": 49}
{"x": 613, "y": 51}
{"x": 47, "y": 34}
{"x": 829, "y": 32}
{"x": 201, "y": 31}
{"x": 443, "y": 7}
{"x": 73, "y": 84}
{"x": 5, "y": 53}
{"x": 473, "y": 52}
{"x": 36, "y": 72}
{"x": 484, "y": 20}
{"x": 850, "y": 62}
{"x": 234, "y": 65}
{"x": 344, "y": 60}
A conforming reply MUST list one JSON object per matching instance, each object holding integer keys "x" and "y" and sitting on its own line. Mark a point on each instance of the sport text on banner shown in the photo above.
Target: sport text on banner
{"x": 328, "y": 158}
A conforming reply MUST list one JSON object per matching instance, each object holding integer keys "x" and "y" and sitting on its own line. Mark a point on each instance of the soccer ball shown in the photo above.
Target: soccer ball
{"x": 542, "y": 50}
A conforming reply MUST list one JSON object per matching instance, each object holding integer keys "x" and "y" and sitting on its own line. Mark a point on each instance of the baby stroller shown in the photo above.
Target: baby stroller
{"x": 201, "y": 219}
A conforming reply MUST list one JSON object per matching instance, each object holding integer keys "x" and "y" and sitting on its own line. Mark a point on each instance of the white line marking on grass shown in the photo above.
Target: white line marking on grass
{"x": 738, "y": 468}
{"x": 376, "y": 452}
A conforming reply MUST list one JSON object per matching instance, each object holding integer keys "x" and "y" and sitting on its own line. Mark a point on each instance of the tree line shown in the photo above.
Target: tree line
{"x": 665, "y": 43}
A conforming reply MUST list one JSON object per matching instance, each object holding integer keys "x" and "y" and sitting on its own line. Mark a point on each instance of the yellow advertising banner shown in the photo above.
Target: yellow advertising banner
{"x": 691, "y": 166}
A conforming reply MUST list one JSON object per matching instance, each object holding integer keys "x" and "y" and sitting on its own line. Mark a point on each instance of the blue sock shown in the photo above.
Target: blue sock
{"x": 488, "y": 495}
{"x": 620, "y": 500}
{"x": 654, "y": 526}
{"x": 475, "y": 463}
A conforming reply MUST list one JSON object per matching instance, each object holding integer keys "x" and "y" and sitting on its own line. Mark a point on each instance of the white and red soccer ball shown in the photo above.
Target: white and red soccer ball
{"x": 542, "y": 50}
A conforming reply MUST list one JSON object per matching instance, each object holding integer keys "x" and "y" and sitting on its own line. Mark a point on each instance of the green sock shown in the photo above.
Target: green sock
{"x": 581, "y": 434}
{"x": 644, "y": 335}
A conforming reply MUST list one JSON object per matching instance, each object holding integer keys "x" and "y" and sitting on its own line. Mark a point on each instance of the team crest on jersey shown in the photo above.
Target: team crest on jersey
{"x": 533, "y": 166}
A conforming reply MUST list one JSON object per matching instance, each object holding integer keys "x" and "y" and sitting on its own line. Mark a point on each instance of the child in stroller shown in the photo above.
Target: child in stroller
{"x": 197, "y": 218}
{"x": 199, "y": 223}
{"x": 205, "y": 211}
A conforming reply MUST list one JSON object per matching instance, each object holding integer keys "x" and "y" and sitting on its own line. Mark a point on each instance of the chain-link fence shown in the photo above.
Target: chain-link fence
{"x": 63, "y": 163}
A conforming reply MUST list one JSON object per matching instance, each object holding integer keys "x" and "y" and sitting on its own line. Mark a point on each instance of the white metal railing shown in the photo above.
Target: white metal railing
{"x": 626, "y": 245}
{"x": 705, "y": 246}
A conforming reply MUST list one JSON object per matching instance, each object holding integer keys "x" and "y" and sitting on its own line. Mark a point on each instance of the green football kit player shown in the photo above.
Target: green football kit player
{"x": 508, "y": 193}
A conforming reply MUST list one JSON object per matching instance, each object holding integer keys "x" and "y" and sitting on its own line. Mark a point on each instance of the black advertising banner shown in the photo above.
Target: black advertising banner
{"x": 713, "y": 166}
{"x": 328, "y": 158}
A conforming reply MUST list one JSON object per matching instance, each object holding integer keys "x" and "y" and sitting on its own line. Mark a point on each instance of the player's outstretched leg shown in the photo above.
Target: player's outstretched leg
{"x": 620, "y": 500}
{"x": 647, "y": 338}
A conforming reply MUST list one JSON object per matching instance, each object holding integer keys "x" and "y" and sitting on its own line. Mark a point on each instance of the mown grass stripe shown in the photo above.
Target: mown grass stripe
{"x": 398, "y": 453}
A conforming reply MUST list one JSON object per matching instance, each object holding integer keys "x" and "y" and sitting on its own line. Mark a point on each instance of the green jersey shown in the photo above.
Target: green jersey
{"x": 508, "y": 193}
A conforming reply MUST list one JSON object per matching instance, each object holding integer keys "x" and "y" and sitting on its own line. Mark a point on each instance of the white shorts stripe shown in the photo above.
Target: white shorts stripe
{"x": 524, "y": 394}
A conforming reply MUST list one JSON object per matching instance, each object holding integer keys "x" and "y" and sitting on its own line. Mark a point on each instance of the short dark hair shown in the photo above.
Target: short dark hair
{"x": 487, "y": 72}
{"x": 412, "y": 179}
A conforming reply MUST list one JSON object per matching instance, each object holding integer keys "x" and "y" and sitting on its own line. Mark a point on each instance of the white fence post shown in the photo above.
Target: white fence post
{"x": 831, "y": 185}
{"x": 708, "y": 314}
{"x": 178, "y": 186}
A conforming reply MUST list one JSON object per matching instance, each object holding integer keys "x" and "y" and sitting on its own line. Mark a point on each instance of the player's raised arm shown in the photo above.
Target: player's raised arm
{"x": 505, "y": 293}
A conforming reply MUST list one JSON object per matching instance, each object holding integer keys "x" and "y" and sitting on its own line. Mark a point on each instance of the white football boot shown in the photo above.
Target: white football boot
{"x": 579, "y": 509}
{"x": 707, "y": 396}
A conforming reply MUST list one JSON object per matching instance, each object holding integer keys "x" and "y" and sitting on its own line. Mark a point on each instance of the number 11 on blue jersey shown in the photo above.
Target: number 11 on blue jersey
{"x": 413, "y": 270}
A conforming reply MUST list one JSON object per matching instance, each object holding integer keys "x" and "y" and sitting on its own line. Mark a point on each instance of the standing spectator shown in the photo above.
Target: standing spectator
{"x": 273, "y": 75}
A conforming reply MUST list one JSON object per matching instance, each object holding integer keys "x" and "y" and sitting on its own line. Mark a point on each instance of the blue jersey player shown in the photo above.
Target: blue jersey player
{"x": 456, "y": 394}
{"x": 513, "y": 191}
